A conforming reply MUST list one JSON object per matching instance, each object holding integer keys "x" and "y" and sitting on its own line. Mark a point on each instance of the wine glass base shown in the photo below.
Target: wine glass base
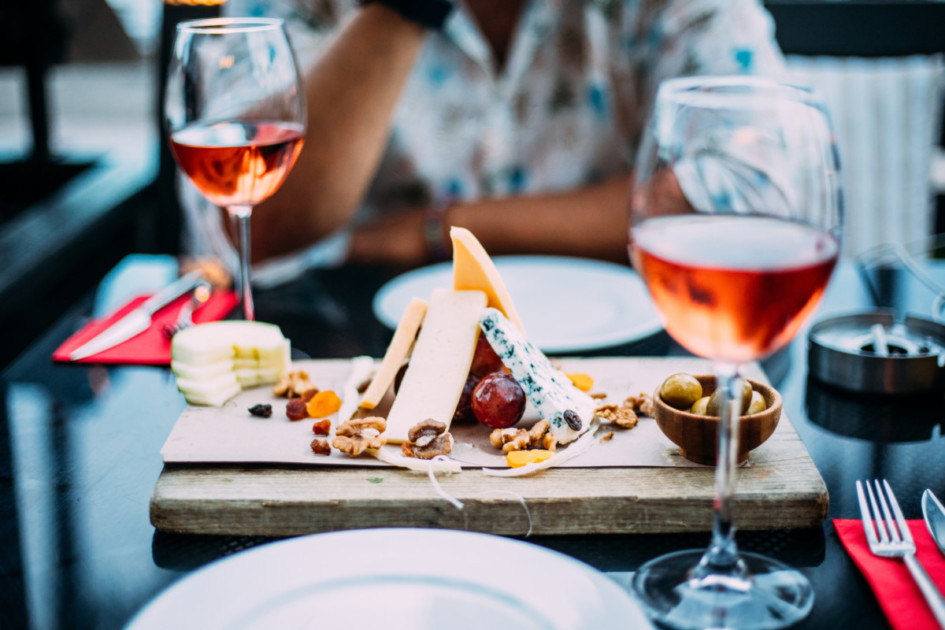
{"x": 766, "y": 595}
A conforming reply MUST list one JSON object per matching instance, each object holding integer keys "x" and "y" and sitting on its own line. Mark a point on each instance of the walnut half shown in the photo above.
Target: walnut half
{"x": 356, "y": 436}
{"x": 427, "y": 439}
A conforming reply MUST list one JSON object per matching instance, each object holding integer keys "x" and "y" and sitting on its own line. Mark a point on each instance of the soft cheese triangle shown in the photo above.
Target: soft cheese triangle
{"x": 547, "y": 388}
{"x": 474, "y": 270}
{"x": 397, "y": 352}
{"x": 439, "y": 363}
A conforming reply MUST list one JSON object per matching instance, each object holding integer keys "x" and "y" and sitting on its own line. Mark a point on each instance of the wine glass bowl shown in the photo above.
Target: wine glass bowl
{"x": 235, "y": 115}
{"x": 735, "y": 220}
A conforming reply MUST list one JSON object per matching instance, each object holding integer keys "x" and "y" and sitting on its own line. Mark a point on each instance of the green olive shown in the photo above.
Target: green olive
{"x": 681, "y": 390}
{"x": 757, "y": 405}
{"x": 715, "y": 399}
{"x": 699, "y": 406}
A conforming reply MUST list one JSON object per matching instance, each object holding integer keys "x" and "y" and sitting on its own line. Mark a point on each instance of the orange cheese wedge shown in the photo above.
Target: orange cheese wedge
{"x": 473, "y": 270}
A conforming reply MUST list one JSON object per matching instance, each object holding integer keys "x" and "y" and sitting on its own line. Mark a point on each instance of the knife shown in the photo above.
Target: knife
{"x": 934, "y": 513}
{"x": 139, "y": 319}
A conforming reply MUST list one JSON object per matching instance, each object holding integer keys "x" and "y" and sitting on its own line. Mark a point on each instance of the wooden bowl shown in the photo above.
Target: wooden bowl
{"x": 697, "y": 436}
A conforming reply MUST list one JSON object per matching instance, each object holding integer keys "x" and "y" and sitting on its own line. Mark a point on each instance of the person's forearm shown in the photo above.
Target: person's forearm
{"x": 590, "y": 222}
{"x": 351, "y": 95}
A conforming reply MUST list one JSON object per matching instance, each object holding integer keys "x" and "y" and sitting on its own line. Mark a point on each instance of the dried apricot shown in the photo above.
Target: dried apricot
{"x": 517, "y": 459}
{"x": 583, "y": 382}
{"x": 323, "y": 404}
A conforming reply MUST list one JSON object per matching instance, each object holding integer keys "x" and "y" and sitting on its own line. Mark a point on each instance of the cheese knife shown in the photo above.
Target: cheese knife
{"x": 138, "y": 320}
{"x": 934, "y": 513}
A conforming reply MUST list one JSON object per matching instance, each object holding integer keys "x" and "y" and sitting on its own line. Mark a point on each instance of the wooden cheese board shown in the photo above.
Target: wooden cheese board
{"x": 779, "y": 488}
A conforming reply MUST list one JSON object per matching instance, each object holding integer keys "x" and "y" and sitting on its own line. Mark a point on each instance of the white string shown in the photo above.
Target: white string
{"x": 436, "y": 484}
{"x": 521, "y": 500}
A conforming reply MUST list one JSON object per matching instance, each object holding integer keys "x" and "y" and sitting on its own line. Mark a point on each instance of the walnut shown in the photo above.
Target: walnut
{"x": 294, "y": 384}
{"x": 427, "y": 439}
{"x": 641, "y": 403}
{"x": 607, "y": 437}
{"x": 549, "y": 442}
{"x": 518, "y": 442}
{"x": 623, "y": 416}
{"x": 320, "y": 446}
{"x": 598, "y": 395}
{"x": 538, "y": 430}
{"x": 355, "y": 436}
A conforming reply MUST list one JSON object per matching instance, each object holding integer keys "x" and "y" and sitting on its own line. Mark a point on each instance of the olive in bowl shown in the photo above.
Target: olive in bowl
{"x": 697, "y": 434}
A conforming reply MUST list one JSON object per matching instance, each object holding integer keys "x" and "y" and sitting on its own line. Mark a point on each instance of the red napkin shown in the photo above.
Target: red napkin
{"x": 151, "y": 347}
{"x": 891, "y": 581}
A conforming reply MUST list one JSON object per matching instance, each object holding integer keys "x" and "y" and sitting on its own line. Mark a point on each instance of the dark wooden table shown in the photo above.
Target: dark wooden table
{"x": 79, "y": 456}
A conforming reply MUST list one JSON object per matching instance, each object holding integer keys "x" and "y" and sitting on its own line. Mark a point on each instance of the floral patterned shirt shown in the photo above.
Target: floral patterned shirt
{"x": 565, "y": 111}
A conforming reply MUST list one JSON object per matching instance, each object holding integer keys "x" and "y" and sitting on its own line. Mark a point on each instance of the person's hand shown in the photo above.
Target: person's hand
{"x": 396, "y": 240}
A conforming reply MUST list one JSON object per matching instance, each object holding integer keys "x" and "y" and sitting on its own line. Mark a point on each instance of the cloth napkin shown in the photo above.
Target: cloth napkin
{"x": 889, "y": 578}
{"x": 151, "y": 347}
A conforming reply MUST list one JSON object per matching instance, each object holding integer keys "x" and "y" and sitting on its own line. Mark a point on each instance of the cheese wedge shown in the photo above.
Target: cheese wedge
{"x": 547, "y": 388}
{"x": 474, "y": 270}
{"x": 397, "y": 352}
{"x": 440, "y": 362}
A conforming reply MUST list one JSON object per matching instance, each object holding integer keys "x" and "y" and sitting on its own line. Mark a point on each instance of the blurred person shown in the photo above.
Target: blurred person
{"x": 517, "y": 119}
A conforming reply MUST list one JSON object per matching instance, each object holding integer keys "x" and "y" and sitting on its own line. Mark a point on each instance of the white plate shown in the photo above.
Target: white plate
{"x": 566, "y": 304}
{"x": 410, "y": 579}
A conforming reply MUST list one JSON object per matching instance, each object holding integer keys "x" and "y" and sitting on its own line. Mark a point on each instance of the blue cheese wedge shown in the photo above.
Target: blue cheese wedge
{"x": 566, "y": 408}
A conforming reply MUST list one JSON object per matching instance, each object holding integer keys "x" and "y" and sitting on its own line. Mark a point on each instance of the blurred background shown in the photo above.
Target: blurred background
{"x": 87, "y": 177}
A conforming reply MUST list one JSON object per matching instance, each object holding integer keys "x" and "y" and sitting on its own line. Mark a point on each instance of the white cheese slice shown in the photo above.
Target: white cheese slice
{"x": 209, "y": 391}
{"x": 200, "y": 372}
{"x": 440, "y": 362}
{"x": 213, "y": 361}
{"x": 397, "y": 352}
{"x": 547, "y": 388}
{"x": 474, "y": 270}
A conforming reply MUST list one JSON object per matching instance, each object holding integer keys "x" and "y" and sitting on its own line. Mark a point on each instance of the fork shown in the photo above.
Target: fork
{"x": 186, "y": 317}
{"x": 888, "y": 536}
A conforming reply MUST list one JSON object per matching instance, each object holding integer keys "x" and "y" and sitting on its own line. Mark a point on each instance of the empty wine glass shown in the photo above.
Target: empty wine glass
{"x": 235, "y": 114}
{"x": 735, "y": 222}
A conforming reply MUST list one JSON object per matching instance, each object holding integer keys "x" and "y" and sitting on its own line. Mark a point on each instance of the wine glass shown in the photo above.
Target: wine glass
{"x": 735, "y": 220}
{"x": 235, "y": 114}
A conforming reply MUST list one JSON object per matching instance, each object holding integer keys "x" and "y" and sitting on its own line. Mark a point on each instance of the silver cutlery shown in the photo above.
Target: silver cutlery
{"x": 888, "y": 536}
{"x": 185, "y": 318}
{"x": 934, "y": 513}
{"x": 138, "y": 320}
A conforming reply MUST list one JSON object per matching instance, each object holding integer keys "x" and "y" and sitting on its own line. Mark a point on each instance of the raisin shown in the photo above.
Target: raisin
{"x": 573, "y": 420}
{"x": 322, "y": 427}
{"x": 261, "y": 410}
{"x": 295, "y": 409}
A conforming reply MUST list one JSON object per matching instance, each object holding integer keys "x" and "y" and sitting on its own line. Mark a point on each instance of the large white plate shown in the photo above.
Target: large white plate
{"x": 566, "y": 304}
{"x": 410, "y": 579}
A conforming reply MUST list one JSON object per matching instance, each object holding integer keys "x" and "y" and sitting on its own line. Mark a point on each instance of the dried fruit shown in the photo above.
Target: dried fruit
{"x": 583, "y": 382}
{"x": 295, "y": 409}
{"x": 321, "y": 427}
{"x": 261, "y": 410}
{"x": 323, "y": 404}
{"x": 517, "y": 459}
{"x": 320, "y": 446}
{"x": 573, "y": 420}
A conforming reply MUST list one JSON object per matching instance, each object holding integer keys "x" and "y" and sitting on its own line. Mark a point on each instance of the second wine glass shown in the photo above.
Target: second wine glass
{"x": 735, "y": 223}
{"x": 235, "y": 115}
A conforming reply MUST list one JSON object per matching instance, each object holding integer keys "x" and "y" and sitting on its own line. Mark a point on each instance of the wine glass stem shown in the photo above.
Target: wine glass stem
{"x": 242, "y": 214}
{"x": 723, "y": 552}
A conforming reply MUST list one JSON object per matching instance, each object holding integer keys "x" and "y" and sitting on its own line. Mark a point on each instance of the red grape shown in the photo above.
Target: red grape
{"x": 498, "y": 401}
{"x": 464, "y": 412}
{"x": 485, "y": 360}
